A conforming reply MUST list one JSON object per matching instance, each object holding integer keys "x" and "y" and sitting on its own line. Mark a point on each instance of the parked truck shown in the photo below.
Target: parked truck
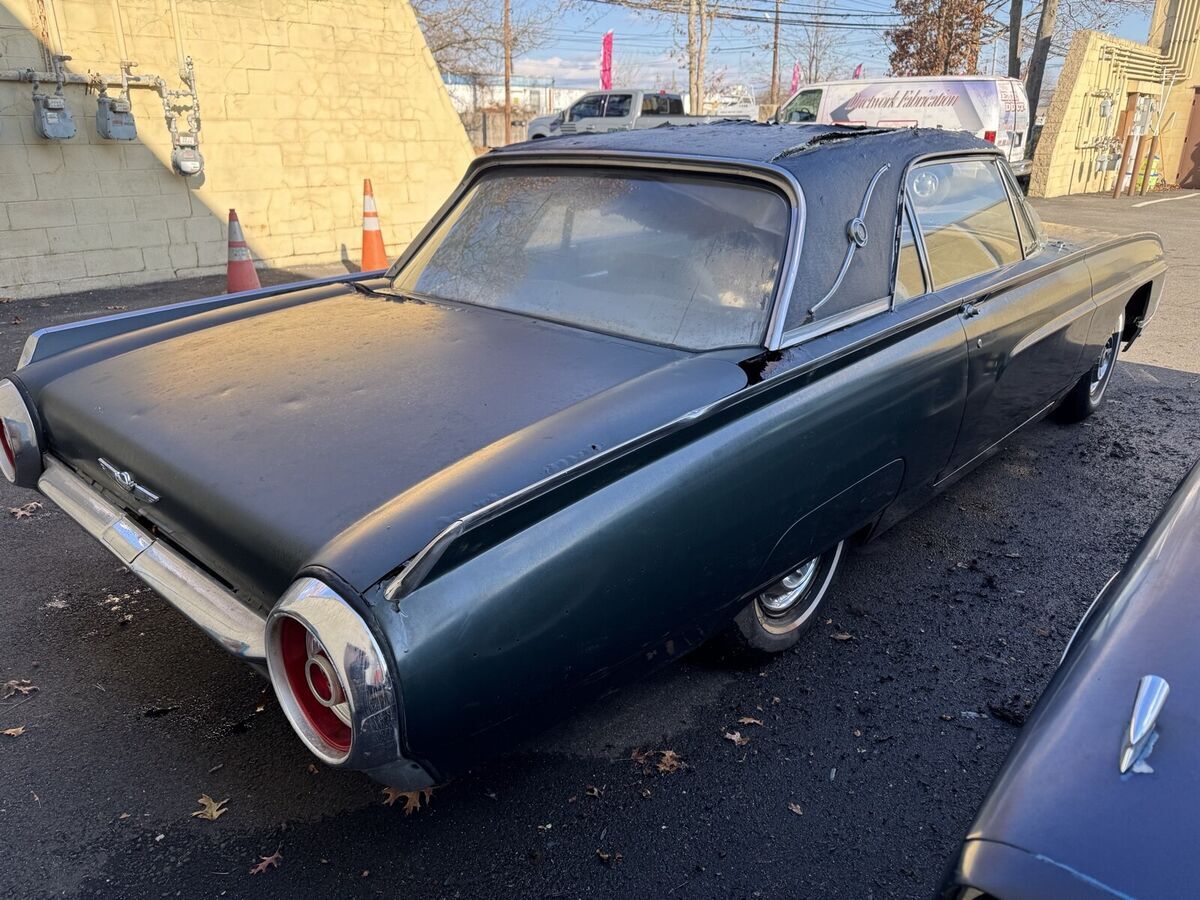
{"x": 621, "y": 109}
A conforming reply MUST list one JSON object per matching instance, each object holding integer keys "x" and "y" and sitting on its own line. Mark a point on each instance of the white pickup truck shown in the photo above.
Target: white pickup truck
{"x": 620, "y": 109}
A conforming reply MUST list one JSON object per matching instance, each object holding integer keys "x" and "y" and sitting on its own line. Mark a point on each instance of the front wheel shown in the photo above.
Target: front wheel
{"x": 776, "y": 618}
{"x": 1087, "y": 395}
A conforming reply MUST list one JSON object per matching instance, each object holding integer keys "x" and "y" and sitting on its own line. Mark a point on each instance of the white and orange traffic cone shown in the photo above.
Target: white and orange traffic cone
{"x": 240, "y": 274}
{"x": 373, "y": 255}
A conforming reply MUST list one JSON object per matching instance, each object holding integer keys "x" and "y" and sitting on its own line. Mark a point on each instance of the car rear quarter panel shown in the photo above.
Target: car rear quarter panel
{"x": 1118, "y": 269}
{"x": 647, "y": 565}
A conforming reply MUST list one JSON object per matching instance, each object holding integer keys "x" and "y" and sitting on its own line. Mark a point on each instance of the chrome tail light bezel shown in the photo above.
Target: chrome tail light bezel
{"x": 20, "y": 438}
{"x": 360, "y": 666}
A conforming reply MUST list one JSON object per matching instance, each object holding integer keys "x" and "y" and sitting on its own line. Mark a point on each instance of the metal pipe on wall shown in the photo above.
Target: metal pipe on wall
{"x": 178, "y": 29}
{"x": 119, "y": 30}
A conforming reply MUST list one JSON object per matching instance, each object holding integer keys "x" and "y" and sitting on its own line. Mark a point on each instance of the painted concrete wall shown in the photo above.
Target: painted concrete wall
{"x": 1099, "y": 67}
{"x": 299, "y": 99}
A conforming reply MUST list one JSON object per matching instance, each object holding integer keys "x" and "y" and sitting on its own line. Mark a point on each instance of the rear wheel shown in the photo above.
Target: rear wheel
{"x": 776, "y": 618}
{"x": 1088, "y": 394}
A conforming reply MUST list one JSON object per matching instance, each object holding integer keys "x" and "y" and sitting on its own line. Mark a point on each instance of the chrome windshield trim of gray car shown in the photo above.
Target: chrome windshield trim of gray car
{"x": 172, "y": 575}
{"x": 776, "y": 176}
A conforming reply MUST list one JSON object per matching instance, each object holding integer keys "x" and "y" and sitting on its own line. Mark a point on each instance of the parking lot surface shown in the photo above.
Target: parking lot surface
{"x": 873, "y": 752}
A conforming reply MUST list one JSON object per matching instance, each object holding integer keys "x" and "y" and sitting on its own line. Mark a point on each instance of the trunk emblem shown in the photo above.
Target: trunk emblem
{"x": 126, "y": 482}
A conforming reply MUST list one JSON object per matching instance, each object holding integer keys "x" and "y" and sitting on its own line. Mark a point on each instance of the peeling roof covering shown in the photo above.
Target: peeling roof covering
{"x": 834, "y": 165}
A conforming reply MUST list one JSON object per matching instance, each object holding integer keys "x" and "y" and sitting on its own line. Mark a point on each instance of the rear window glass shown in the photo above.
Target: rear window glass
{"x": 685, "y": 260}
{"x": 965, "y": 218}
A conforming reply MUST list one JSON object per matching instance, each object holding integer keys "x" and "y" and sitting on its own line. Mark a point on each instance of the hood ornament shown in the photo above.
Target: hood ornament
{"x": 125, "y": 481}
{"x": 1139, "y": 739}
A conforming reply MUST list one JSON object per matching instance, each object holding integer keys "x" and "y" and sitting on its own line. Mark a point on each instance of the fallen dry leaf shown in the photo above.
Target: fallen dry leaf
{"x": 737, "y": 737}
{"x": 123, "y": 816}
{"x": 26, "y": 511}
{"x": 116, "y": 308}
{"x": 594, "y": 792}
{"x": 842, "y": 636}
{"x": 313, "y": 770}
{"x": 412, "y": 799}
{"x": 14, "y": 732}
{"x": 17, "y": 686}
{"x": 268, "y": 862}
{"x": 795, "y": 807}
{"x": 749, "y": 720}
{"x": 210, "y": 809}
{"x": 669, "y": 762}
{"x": 609, "y": 859}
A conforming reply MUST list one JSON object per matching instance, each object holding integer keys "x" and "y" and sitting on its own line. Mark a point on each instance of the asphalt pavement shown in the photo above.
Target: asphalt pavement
{"x": 872, "y": 753}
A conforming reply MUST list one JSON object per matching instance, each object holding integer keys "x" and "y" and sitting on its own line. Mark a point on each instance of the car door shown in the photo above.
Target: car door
{"x": 618, "y": 113}
{"x": 585, "y": 114}
{"x": 1026, "y": 314}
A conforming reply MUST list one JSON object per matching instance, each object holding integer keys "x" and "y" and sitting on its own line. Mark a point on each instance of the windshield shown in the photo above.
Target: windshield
{"x": 685, "y": 260}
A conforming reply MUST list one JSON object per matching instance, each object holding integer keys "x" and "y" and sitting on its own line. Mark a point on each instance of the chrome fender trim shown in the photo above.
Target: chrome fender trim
{"x": 178, "y": 580}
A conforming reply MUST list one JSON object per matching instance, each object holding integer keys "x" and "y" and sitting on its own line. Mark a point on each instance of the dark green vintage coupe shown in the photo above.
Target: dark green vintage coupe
{"x": 622, "y": 393}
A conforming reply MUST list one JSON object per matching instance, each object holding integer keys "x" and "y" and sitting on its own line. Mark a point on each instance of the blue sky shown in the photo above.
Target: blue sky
{"x": 650, "y": 46}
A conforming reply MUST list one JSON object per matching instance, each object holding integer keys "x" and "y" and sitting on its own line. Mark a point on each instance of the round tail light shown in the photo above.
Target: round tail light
{"x": 315, "y": 685}
{"x": 332, "y": 678}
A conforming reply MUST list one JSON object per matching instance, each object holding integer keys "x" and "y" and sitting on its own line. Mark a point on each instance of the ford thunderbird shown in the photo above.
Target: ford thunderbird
{"x": 624, "y": 392}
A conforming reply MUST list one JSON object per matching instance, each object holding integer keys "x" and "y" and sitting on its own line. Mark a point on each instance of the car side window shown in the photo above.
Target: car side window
{"x": 803, "y": 109}
{"x": 965, "y": 219}
{"x": 589, "y": 107}
{"x": 910, "y": 280}
{"x": 618, "y": 105}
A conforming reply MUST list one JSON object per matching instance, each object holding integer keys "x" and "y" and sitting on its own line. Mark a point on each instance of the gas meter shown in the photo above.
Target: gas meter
{"x": 185, "y": 157}
{"x": 52, "y": 117}
{"x": 114, "y": 119}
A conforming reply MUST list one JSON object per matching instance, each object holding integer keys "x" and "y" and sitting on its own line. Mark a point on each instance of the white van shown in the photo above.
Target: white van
{"x": 994, "y": 109}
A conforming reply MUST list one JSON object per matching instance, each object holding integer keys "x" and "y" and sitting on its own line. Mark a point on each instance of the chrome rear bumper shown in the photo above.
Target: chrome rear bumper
{"x": 182, "y": 583}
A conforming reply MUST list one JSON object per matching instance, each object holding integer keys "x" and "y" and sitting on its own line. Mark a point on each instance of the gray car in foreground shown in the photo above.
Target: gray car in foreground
{"x": 1098, "y": 797}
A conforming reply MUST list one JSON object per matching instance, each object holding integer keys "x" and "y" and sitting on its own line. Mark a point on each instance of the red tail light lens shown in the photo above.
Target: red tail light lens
{"x": 315, "y": 685}
{"x": 990, "y": 137}
{"x": 9, "y": 457}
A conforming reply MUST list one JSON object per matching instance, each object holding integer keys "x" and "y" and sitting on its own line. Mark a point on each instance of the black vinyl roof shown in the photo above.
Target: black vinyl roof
{"x": 756, "y": 142}
{"x": 834, "y": 165}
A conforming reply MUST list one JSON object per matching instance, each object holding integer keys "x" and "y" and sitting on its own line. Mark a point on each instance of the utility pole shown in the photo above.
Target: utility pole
{"x": 1037, "y": 61}
{"x": 1015, "y": 11}
{"x": 775, "y": 61}
{"x": 507, "y": 72}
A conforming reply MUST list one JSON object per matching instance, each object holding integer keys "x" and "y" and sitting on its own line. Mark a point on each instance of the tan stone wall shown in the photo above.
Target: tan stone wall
{"x": 300, "y": 100}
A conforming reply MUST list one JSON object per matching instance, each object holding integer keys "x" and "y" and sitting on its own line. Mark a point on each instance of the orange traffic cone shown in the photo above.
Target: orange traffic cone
{"x": 373, "y": 255}
{"x": 240, "y": 274}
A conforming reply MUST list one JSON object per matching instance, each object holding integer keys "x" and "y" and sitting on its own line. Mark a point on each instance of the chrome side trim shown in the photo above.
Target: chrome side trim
{"x": 172, "y": 575}
{"x": 76, "y": 334}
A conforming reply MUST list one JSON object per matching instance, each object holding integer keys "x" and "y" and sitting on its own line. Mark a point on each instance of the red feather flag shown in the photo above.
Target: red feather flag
{"x": 606, "y": 61}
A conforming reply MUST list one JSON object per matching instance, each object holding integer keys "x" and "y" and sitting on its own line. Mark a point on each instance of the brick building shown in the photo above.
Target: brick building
{"x": 298, "y": 101}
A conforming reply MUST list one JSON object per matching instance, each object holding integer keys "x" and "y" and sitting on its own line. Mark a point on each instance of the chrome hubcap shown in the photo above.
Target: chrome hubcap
{"x": 779, "y": 598}
{"x": 1104, "y": 364}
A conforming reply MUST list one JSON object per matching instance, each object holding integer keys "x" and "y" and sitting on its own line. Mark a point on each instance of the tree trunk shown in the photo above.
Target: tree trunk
{"x": 507, "y": 72}
{"x": 702, "y": 54}
{"x": 691, "y": 56}
{"x": 1041, "y": 52}
{"x": 1015, "y": 12}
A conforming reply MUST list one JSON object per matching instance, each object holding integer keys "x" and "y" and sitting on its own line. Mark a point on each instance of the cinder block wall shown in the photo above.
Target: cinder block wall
{"x": 299, "y": 99}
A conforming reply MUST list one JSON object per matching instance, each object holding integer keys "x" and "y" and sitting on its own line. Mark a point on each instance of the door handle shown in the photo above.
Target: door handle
{"x": 969, "y": 310}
